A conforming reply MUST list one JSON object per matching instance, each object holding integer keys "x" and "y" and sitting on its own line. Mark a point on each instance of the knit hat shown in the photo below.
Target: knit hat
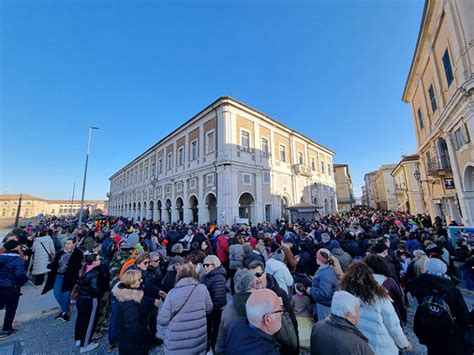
{"x": 321, "y": 258}
{"x": 279, "y": 255}
{"x": 436, "y": 267}
{"x": 11, "y": 244}
{"x": 325, "y": 237}
{"x": 132, "y": 240}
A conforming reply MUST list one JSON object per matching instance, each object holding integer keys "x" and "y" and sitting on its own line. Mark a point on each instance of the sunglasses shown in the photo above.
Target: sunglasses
{"x": 154, "y": 261}
{"x": 145, "y": 262}
{"x": 207, "y": 265}
{"x": 259, "y": 274}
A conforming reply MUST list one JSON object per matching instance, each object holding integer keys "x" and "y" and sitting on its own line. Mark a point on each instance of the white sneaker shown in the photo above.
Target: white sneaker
{"x": 90, "y": 347}
{"x": 78, "y": 343}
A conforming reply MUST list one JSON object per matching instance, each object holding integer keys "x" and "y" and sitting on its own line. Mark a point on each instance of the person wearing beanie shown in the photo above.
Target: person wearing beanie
{"x": 435, "y": 282}
{"x": 324, "y": 284}
{"x": 328, "y": 243}
{"x": 276, "y": 267}
{"x": 12, "y": 277}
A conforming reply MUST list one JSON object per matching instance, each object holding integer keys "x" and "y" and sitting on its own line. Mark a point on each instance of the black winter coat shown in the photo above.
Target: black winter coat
{"x": 424, "y": 285}
{"x": 131, "y": 321}
{"x": 215, "y": 282}
{"x": 70, "y": 275}
{"x": 88, "y": 285}
{"x": 306, "y": 264}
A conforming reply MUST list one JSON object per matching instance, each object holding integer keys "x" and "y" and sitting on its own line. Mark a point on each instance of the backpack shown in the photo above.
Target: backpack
{"x": 433, "y": 319}
{"x": 128, "y": 264}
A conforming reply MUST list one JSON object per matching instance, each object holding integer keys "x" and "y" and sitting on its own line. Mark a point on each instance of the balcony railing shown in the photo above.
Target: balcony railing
{"x": 302, "y": 170}
{"x": 439, "y": 166}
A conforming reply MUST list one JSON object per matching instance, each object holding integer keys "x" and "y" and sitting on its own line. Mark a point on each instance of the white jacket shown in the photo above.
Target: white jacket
{"x": 380, "y": 324}
{"x": 40, "y": 257}
{"x": 280, "y": 272}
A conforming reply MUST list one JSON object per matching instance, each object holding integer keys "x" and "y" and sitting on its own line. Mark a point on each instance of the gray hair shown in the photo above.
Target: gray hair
{"x": 244, "y": 280}
{"x": 256, "y": 311}
{"x": 343, "y": 302}
{"x": 154, "y": 255}
{"x": 212, "y": 259}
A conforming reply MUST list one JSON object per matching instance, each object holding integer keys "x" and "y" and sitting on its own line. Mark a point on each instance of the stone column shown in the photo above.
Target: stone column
{"x": 466, "y": 213}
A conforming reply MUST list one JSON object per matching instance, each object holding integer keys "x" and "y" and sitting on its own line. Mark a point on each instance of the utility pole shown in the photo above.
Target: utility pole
{"x": 17, "y": 218}
{"x": 81, "y": 213}
{"x": 73, "y": 190}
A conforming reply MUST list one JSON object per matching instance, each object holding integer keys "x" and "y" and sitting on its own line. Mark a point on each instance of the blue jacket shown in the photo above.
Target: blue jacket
{"x": 324, "y": 285}
{"x": 12, "y": 270}
{"x": 245, "y": 339}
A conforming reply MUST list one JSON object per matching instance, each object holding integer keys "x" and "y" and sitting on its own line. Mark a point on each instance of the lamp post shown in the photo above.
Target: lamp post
{"x": 81, "y": 213}
{"x": 73, "y": 190}
{"x": 417, "y": 177}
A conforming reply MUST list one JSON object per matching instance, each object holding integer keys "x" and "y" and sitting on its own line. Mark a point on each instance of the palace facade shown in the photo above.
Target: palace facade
{"x": 229, "y": 163}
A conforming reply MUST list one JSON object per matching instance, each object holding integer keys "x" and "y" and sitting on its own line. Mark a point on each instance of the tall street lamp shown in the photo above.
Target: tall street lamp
{"x": 73, "y": 190}
{"x": 81, "y": 213}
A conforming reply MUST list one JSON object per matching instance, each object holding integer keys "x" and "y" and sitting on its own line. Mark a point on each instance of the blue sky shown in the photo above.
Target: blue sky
{"x": 334, "y": 70}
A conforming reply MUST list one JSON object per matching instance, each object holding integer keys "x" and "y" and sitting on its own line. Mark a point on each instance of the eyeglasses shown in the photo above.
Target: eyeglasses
{"x": 207, "y": 265}
{"x": 274, "y": 312}
{"x": 155, "y": 261}
{"x": 259, "y": 274}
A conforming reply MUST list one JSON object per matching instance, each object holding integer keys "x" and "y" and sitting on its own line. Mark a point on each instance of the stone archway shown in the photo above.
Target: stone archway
{"x": 247, "y": 206}
{"x": 469, "y": 178}
{"x": 193, "y": 205}
{"x": 284, "y": 207}
{"x": 139, "y": 211}
{"x": 158, "y": 208}
{"x": 179, "y": 208}
{"x": 144, "y": 213}
{"x": 211, "y": 203}
{"x": 168, "y": 210}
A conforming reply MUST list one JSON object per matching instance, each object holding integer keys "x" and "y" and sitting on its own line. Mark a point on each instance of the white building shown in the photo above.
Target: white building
{"x": 226, "y": 163}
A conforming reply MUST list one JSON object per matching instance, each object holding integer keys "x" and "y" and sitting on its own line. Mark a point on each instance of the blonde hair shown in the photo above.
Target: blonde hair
{"x": 131, "y": 277}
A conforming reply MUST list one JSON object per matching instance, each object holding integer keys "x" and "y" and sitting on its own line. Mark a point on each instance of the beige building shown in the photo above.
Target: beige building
{"x": 228, "y": 163}
{"x": 368, "y": 180}
{"x": 408, "y": 191}
{"x": 33, "y": 206}
{"x": 344, "y": 189}
{"x": 383, "y": 188}
{"x": 440, "y": 88}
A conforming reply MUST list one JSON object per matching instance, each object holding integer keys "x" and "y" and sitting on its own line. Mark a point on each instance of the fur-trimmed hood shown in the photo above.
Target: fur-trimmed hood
{"x": 124, "y": 294}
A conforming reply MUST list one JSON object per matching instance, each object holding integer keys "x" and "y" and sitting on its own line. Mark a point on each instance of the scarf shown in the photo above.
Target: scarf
{"x": 64, "y": 261}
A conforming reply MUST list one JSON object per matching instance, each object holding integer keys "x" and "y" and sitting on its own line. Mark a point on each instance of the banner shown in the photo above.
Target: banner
{"x": 461, "y": 232}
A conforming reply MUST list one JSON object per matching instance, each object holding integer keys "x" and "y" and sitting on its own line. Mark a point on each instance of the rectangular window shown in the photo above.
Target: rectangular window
{"x": 313, "y": 164}
{"x": 168, "y": 189}
{"x": 268, "y": 210}
{"x": 194, "y": 150}
{"x": 265, "y": 147}
{"x": 169, "y": 161}
{"x": 420, "y": 118}
{"x": 146, "y": 172}
{"x": 210, "y": 142}
{"x": 448, "y": 70}
{"x": 179, "y": 186}
{"x": 193, "y": 183}
{"x": 153, "y": 166}
{"x": 329, "y": 169}
{"x": 282, "y": 153}
{"x": 266, "y": 177}
{"x": 210, "y": 179}
{"x": 180, "y": 156}
{"x": 284, "y": 180}
{"x": 300, "y": 158}
{"x": 460, "y": 137}
{"x": 322, "y": 167}
{"x": 160, "y": 166}
{"x": 246, "y": 179}
{"x": 245, "y": 141}
{"x": 431, "y": 92}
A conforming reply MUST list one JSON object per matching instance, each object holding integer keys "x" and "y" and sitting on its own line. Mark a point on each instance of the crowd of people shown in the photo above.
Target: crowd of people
{"x": 337, "y": 285}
